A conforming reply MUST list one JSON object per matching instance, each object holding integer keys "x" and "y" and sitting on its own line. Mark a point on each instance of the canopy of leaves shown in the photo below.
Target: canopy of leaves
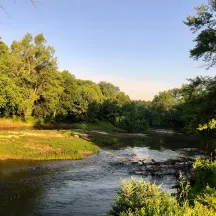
{"x": 32, "y": 87}
{"x": 204, "y": 25}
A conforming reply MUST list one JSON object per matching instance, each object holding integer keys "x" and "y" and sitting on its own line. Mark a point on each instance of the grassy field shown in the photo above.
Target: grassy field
{"x": 19, "y": 140}
{"x": 43, "y": 145}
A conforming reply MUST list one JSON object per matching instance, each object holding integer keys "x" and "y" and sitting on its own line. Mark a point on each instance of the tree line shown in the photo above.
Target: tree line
{"x": 33, "y": 89}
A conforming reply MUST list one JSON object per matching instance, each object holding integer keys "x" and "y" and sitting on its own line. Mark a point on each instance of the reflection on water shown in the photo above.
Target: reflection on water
{"x": 85, "y": 187}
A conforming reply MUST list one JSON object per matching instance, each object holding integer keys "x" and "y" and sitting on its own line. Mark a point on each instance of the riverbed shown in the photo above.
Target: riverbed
{"x": 88, "y": 186}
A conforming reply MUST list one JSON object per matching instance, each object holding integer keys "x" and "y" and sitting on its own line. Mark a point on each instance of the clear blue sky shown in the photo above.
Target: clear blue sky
{"x": 140, "y": 45}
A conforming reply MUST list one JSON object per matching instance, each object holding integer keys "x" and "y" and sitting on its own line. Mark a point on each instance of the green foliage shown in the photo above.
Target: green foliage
{"x": 208, "y": 197}
{"x": 204, "y": 176}
{"x": 142, "y": 198}
{"x": 183, "y": 190}
{"x": 190, "y": 108}
{"x": 198, "y": 108}
{"x": 36, "y": 69}
{"x": 197, "y": 210}
{"x": 109, "y": 90}
{"x": 132, "y": 118}
{"x": 196, "y": 197}
{"x": 10, "y": 97}
{"x": 210, "y": 125}
{"x": 32, "y": 89}
{"x": 200, "y": 190}
{"x": 204, "y": 25}
{"x": 97, "y": 126}
{"x": 165, "y": 109}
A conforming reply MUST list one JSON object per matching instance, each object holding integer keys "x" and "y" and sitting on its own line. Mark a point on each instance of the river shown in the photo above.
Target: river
{"x": 88, "y": 186}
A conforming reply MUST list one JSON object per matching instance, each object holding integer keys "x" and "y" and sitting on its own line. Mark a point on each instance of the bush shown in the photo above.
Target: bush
{"x": 198, "y": 210}
{"x": 208, "y": 198}
{"x": 201, "y": 189}
{"x": 204, "y": 175}
{"x": 140, "y": 198}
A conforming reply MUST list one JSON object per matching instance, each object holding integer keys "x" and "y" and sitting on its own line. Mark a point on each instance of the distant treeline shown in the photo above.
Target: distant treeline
{"x": 33, "y": 89}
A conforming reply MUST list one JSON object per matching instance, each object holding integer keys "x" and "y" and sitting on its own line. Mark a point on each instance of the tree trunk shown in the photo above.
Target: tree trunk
{"x": 30, "y": 106}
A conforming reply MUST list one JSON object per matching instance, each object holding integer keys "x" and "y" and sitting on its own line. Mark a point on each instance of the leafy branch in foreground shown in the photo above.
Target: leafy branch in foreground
{"x": 195, "y": 198}
{"x": 204, "y": 25}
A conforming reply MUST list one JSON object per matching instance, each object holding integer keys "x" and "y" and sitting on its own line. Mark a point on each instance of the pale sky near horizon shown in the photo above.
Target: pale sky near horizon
{"x": 142, "y": 46}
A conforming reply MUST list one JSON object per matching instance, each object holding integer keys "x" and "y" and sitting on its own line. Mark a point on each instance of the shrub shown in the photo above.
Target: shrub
{"x": 198, "y": 210}
{"x": 142, "y": 198}
{"x": 204, "y": 175}
{"x": 208, "y": 197}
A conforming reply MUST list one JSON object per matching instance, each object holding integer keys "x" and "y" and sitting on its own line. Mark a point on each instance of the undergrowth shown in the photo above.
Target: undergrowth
{"x": 195, "y": 197}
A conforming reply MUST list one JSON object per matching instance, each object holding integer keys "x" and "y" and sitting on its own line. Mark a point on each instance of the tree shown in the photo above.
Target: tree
{"x": 164, "y": 109}
{"x": 66, "y": 106}
{"x": 36, "y": 68}
{"x": 87, "y": 93}
{"x": 10, "y": 97}
{"x": 204, "y": 25}
{"x": 122, "y": 98}
{"x": 109, "y": 90}
{"x": 200, "y": 102}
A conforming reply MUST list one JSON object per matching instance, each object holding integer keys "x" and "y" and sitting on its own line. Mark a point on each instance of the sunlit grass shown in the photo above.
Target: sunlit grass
{"x": 99, "y": 126}
{"x": 43, "y": 145}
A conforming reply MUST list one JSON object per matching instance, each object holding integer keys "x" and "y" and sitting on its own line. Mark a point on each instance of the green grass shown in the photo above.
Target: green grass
{"x": 17, "y": 123}
{"x": 104, "y": 140}
{"x": 99, "y": 126}
{"x": 43, "y": 145}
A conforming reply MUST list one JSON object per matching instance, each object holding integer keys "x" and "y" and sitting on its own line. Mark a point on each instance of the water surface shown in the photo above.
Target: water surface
{"x": 85, "y": 187}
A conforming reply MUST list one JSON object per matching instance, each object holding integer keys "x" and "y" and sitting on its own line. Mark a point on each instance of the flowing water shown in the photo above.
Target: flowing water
{"x": 88, "y": 186}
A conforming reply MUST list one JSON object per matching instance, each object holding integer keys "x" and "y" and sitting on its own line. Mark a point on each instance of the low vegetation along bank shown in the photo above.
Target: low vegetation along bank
{"x": 43, "y": 145}
{"x": 194, "y": 197}
{"x": 19, "y": 140}
{"x": 7, "y": 124}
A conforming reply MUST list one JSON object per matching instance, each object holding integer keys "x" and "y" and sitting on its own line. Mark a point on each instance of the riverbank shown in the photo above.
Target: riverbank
{"x": 62, "y": 186}
{"x": 43, "y": 145}
{"x": 19, "y": 140}
{"x": 10, "y": 124}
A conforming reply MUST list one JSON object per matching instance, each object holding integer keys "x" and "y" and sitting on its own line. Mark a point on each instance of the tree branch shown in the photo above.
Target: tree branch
{"x": 2, "y": 8}
{"x": 33, "y": 2}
